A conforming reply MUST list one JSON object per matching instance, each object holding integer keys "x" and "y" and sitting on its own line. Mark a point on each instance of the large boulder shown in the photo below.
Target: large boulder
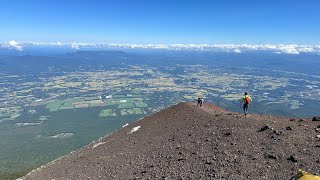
{"x": 265, "y": 127}
{"x": 316, "y": 118}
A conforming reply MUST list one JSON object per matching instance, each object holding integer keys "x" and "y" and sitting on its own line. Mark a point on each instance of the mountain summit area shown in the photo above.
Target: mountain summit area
{"x": 187, "y": 142}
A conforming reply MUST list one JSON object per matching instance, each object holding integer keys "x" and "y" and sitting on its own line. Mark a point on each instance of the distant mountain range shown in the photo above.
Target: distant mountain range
{"x": 307, "y": 63}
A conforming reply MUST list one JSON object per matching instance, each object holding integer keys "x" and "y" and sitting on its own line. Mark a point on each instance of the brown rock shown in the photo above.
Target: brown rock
{"x": 197, "y": 143}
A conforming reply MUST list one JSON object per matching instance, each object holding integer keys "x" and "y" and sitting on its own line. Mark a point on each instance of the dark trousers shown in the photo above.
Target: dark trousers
{"x": 245, "y": 108}
{"x": 199, "y": 103}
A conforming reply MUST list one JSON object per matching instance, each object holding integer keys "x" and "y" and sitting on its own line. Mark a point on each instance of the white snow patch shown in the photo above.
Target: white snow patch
{"x": 134, "y": 129}
{"x": 125, "y": 125}
{"x": 98, "y": 144}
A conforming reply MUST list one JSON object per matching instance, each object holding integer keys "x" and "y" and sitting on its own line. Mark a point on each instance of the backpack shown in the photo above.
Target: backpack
{"x": 248, "y": 101}
{"x": 302, "y": 175}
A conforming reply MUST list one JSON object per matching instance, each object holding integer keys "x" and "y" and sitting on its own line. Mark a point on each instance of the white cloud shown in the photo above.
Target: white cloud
{"x": 306, "y": 49}
{"x": 289, "y": 49}
{"x": 75, "y": 46}
{"x": 14, "y": 45}
{"x": 235, "y": 48}
{"x": 237, "y": 51}
{"x": 58, "y": 43}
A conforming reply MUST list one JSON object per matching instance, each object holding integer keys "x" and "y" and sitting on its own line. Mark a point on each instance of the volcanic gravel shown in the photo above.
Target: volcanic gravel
{"x": 187, "y": 142}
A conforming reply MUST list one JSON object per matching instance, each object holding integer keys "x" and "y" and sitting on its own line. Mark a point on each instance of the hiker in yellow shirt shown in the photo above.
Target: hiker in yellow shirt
{"x": 246, "y": 100}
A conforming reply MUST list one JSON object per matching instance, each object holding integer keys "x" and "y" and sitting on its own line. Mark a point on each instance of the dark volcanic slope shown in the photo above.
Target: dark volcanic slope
{"x": 186, "y": 142}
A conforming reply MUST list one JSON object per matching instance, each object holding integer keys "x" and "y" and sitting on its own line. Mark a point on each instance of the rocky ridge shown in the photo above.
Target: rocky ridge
{"x": 187, "y": 142}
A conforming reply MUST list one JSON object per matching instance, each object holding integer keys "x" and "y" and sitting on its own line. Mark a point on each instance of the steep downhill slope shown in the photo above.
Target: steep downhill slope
{"x": 186, "y": 142}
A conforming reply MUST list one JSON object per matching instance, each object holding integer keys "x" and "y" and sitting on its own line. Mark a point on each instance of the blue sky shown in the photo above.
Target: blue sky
{"x": 161, "y": 21}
